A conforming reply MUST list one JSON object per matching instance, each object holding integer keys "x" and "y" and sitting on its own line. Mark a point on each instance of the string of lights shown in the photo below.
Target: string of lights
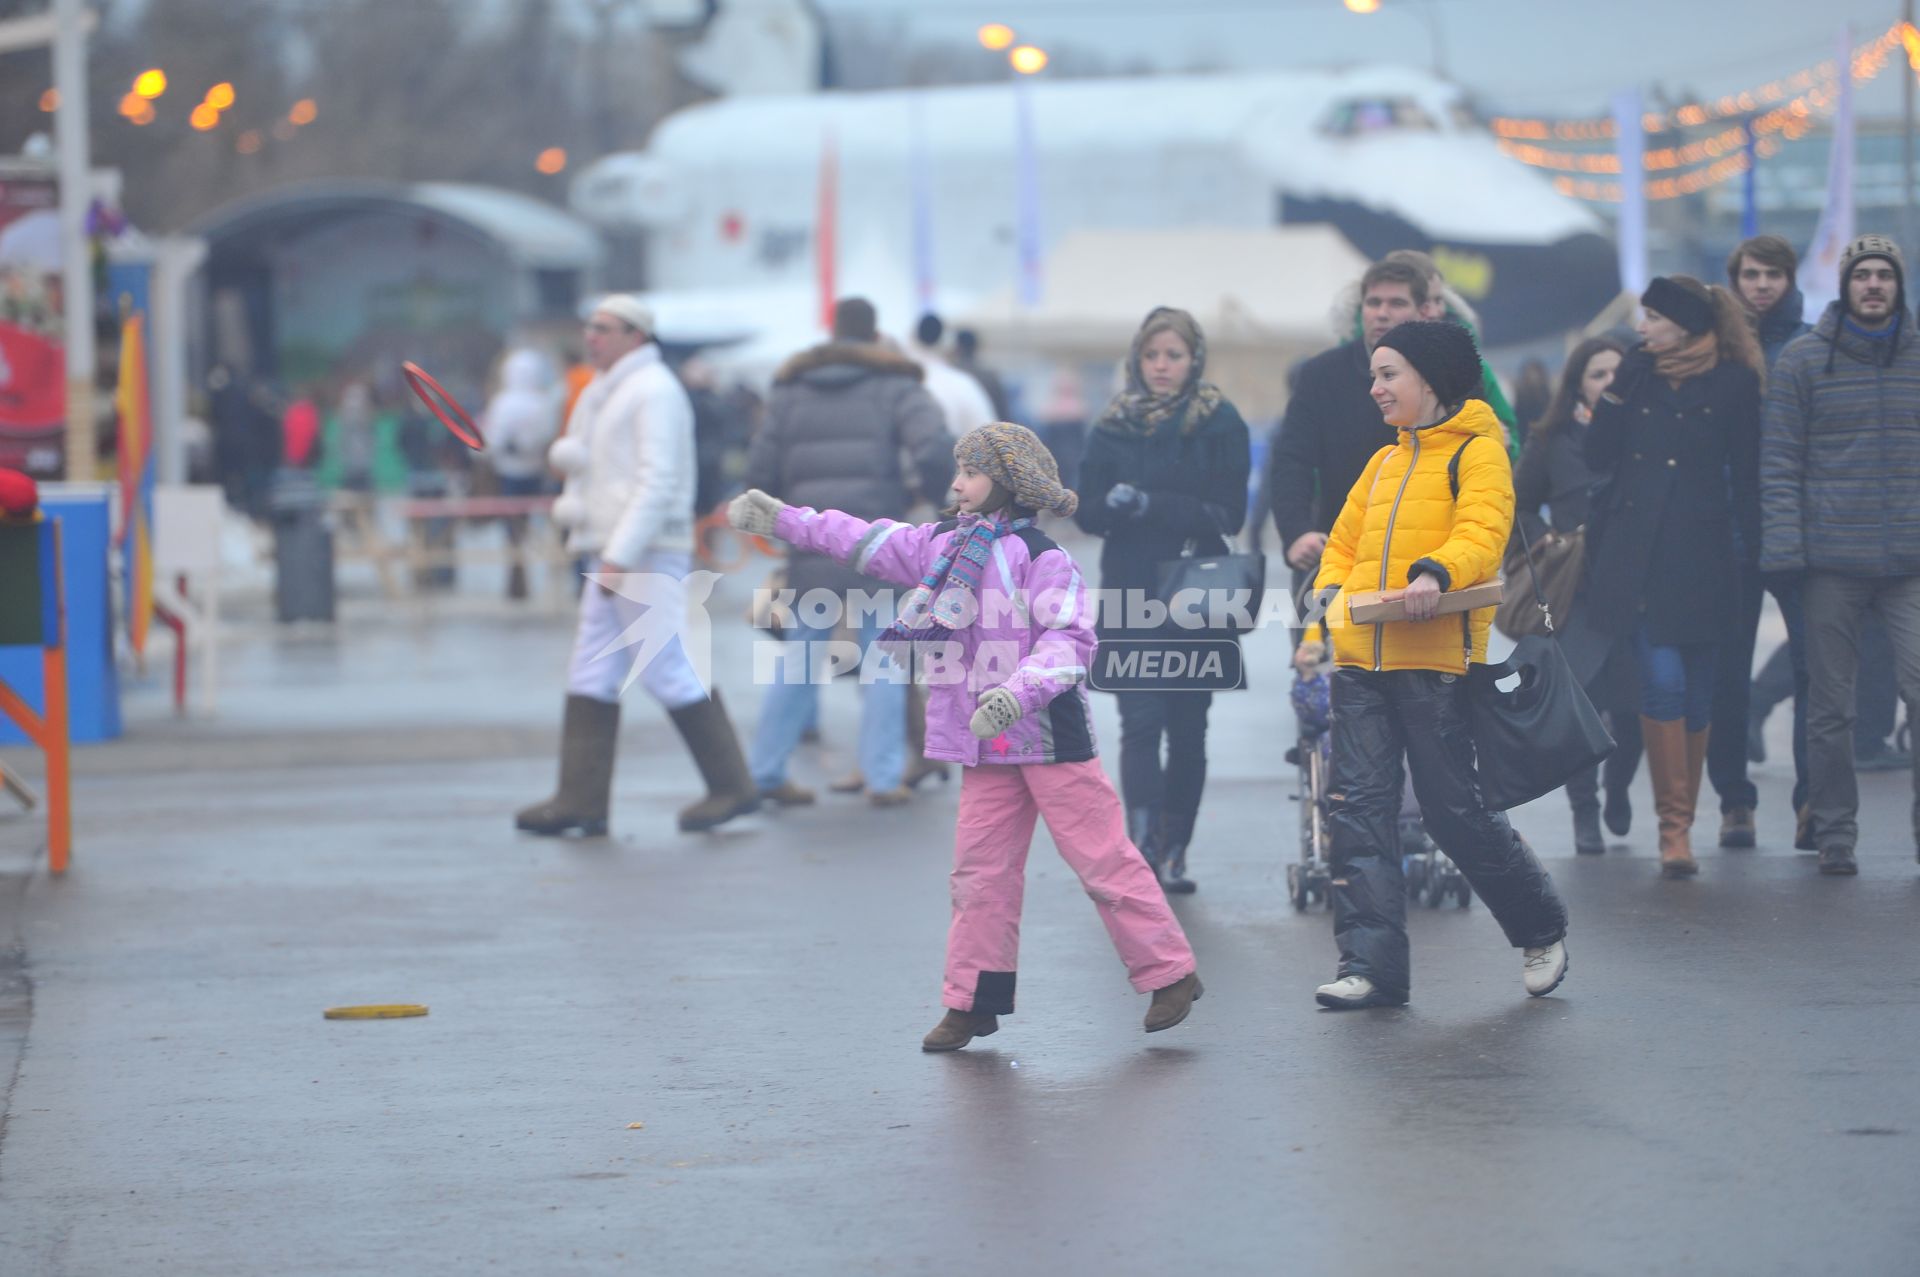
{"x": 1867, "y": 62}
{"x": 1710, "y": 160}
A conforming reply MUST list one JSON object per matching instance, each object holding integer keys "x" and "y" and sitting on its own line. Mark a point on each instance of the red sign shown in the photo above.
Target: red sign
{"x": 33, "y": 398}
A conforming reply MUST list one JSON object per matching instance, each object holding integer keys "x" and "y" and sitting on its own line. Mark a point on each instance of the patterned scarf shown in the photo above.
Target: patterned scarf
{"x": 1141, "y": 411}
{"x": 948, "y": 597}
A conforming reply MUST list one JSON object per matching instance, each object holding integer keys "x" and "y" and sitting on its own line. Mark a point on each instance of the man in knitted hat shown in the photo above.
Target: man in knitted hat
{"x": 629, "y": 458}
{"x": 1840, "y": 509}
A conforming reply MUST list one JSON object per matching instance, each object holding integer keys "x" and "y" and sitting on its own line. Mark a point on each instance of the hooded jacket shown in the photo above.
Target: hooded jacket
{"x": 1840, "y": 453}
{"x": 629, "y": 461}
{"x": 522, "y": 417}
{"x": 1033, "y": 634}
{"x": 838, "y": 422}
{"x": 1402, "y": 519}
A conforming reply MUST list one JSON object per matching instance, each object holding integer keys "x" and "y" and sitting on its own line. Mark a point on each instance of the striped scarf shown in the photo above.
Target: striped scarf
{"x": 948, "y": 596}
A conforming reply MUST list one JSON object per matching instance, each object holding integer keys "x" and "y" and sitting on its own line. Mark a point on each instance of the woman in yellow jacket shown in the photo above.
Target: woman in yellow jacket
{"x": 1431, "y": 513}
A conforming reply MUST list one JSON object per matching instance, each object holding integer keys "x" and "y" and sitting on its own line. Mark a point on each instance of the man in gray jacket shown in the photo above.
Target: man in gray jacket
{"x": 1840, "y": 504}
{"x": 841, "y": 418}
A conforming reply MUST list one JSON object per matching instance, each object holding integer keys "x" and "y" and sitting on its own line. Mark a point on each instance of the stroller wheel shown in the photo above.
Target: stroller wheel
{"x": 1463, "y": 892}
{"x": 1297, "y": 890}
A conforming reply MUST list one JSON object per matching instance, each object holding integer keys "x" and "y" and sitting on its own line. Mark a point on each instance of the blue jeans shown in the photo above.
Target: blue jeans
{"x": 791, "y": 705}
{"x": 1675, "y": 682}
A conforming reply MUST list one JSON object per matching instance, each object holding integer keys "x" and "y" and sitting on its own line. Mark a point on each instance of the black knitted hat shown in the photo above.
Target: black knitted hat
{"x": 1441, "y": 352}
{"x": 1691, "y": 308}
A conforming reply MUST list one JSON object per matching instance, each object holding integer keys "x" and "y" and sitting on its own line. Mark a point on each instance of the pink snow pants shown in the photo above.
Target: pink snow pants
{"x": 998, "y": 806}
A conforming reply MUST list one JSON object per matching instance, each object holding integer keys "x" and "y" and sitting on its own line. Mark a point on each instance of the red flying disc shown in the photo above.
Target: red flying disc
{"x": 444, "y": 406}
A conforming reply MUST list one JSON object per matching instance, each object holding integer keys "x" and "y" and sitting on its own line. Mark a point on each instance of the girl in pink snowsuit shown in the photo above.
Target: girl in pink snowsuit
{"x": 1001, "y": 631}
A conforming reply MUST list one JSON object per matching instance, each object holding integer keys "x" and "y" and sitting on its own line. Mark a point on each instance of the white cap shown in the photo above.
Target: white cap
{"x": 628, "y": 309}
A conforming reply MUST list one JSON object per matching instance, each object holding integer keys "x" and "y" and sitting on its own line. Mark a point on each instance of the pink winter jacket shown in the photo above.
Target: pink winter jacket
{"x": 1033, "y": 635}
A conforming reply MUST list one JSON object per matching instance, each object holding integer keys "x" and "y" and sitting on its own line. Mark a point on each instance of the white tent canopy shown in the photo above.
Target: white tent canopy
{"x": 1263, "y": 298}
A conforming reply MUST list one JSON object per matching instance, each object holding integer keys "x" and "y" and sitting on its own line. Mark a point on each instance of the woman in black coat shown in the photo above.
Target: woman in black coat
{"x": 1553, "y": 473}
{"x": 1164, "y": 473}
{"x": 1677, "y": 434}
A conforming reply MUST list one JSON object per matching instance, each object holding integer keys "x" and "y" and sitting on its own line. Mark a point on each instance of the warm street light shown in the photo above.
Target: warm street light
{"x": 150, "y": 84}
{"x": 204, "y": 117}
{"x": 1364, "y": 6}
{"x": 996, "y": 36}
{"x": 303, "y": 111}
{"x": 142, "y": 117}
{"x": 220, "y": 96}
{"x": 50, "y": 101}
{"x": 1028, "y": 60}
{"x": 552, "y": 160}
{"x": 131, "y": 104}
{"x": 249, "y": 143}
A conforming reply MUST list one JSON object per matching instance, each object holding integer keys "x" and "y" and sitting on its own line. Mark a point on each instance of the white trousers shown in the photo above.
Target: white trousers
{"x": 620, "y": 623}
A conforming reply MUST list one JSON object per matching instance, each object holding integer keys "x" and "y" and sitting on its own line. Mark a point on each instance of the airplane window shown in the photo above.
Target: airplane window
{"x": 1377, "y": 115}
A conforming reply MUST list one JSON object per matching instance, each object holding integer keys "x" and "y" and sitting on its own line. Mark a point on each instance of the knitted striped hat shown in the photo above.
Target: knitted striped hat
{"x": 1016, "y": 459}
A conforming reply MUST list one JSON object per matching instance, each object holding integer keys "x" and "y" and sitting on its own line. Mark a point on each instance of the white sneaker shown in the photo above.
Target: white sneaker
{"x": 1350, "y": 993}
{"x": 1544, "y": 969}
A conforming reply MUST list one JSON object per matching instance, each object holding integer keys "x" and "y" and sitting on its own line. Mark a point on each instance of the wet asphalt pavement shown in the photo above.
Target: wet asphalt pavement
{"x": 1725, "y": 1084}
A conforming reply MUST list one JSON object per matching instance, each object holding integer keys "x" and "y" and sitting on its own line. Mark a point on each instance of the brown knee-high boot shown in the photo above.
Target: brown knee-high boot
{"x": 1676, "y": 788}
{"x": 716, "y": 752}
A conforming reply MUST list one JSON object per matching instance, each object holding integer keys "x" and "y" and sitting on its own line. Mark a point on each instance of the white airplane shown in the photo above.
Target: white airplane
{"x": 929, "y": 192}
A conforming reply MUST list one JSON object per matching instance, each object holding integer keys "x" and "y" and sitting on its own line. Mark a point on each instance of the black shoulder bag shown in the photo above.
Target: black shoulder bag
{"x": 1534, "y": 738}
{"x": 1225, "y": 590}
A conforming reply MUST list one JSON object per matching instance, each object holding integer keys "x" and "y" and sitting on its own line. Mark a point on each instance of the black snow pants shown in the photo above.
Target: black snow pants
{"x": 1377, "y": 718}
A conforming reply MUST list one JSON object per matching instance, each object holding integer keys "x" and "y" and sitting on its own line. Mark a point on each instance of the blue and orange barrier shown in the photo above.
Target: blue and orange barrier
{"x": 30, "y": 569}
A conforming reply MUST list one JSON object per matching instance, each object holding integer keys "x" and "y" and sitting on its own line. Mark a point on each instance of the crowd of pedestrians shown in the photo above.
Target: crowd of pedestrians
{"x": 1720, "y": 453}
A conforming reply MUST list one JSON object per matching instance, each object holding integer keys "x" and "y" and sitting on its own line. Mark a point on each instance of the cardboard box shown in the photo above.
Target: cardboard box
{"x": 1369, "y": 607}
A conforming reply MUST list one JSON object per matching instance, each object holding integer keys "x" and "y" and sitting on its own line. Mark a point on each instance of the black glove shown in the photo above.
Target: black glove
{"x": 1635, "y": 367}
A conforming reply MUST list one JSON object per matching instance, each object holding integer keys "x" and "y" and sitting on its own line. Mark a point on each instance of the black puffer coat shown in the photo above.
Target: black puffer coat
{"x": 1661, "y": 541}
{"x": 1196, "y": 486}
{"x": 839, "y": 422}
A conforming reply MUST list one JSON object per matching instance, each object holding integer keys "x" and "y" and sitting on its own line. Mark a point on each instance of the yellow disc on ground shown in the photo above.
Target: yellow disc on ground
{"x": 381, "y": 1011}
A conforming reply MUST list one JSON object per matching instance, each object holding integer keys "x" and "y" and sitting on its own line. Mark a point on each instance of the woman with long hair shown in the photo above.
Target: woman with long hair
{"x": 1678, "y": 435}
{"x": 1164, "y": 473}
{"x": 1553, "y": 473}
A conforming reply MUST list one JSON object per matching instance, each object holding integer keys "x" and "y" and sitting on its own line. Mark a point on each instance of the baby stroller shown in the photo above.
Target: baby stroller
{"x": 1430, "y": 876}
{"x": 1312, "y": 754}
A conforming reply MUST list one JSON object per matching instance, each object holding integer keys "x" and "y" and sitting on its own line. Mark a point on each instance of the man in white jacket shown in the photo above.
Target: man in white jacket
{"x": 628, "y": 457}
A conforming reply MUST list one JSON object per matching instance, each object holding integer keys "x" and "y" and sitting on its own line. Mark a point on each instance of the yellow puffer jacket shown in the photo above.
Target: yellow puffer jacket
{"x": 1403, "y": 512}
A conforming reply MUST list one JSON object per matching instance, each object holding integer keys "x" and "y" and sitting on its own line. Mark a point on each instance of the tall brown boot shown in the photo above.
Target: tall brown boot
{"x": 1673, "y": 793}
{"x": 710, "y": 738}
{"x": 589, "y": 733}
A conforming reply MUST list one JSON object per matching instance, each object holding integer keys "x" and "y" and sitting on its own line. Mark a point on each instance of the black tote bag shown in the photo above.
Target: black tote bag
{"x": 1223, "y": 590}
{"x": 1536, "y": 736}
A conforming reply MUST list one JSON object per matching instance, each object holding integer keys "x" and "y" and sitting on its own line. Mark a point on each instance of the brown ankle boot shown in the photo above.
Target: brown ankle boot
{"x": 1171, "y": 1004}
{"x": 1673, "y": 794}
{"x": 958, "y": 1029}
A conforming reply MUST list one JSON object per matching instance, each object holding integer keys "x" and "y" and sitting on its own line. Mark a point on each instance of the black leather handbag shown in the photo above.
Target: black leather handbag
{"x": 1212, "y": 595}
{"x": 1536, "y": 736}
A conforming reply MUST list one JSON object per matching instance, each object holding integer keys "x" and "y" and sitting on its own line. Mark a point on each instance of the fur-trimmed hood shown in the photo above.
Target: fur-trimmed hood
{"x": 840, "y": 362}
